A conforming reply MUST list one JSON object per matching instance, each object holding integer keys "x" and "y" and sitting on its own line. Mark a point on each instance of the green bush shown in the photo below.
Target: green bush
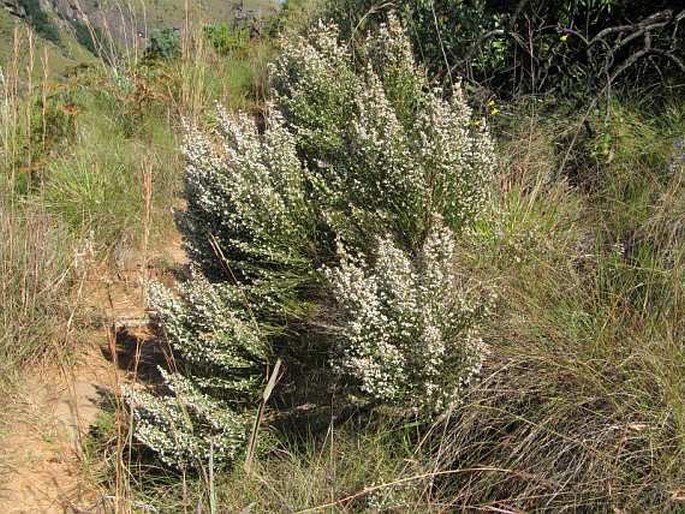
{"x": 224, "y": 39}
{"x": 165, "y": 44}
{"x": 246, "y": 221}
{"x": 561, "y": 47}
{"x": 362, "y": 158}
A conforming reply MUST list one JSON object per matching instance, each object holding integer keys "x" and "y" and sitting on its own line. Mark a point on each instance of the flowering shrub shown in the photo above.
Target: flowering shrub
{"x": 245, "y": 229}
{"x": 409, "y": 337}
{"x": 364, "y": 152}
{"x": 385, "y": 150}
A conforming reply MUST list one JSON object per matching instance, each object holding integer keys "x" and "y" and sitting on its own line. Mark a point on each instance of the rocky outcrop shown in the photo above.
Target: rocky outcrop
{"x": 14, "y": 8}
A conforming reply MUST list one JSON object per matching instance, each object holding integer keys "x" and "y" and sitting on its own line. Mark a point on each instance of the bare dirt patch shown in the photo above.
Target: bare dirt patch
{"x": 41, "y": 450}
{"x": 42, "y": 463}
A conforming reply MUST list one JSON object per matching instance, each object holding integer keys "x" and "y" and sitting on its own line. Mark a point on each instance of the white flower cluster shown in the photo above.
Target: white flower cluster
{"x": 245, "y": 199}
{"x": 186, "y": 427}
{"x": 409, "y": 337}
{"x": 385, "y": 150}
{"x": 210, "y": 329}
{"x": 390, "y": 50}
{"x": 315, "y": 111}
{"x": 218, "y": 374}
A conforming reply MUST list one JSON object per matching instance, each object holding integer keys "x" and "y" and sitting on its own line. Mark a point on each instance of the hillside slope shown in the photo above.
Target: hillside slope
{"x": 69, "y": 30}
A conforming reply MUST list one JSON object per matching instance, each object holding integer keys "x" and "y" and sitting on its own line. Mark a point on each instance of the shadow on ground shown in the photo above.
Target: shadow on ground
{"x": 139, "y": 351}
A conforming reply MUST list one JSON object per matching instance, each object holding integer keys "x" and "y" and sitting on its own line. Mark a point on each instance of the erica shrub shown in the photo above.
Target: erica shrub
{"x": 359, "y": 150}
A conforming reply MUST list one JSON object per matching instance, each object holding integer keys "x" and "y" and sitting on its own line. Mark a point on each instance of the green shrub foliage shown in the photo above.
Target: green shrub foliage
{"x": 561, "y": 47}
{"x": 224, "y": 39}
{"x": 361, "y": 152}
{"x": 384, "y": 149}
{"x": 165, "y": 44}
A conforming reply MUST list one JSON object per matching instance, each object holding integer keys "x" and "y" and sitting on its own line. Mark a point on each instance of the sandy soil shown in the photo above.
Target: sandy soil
{"x": 42, "y": 464}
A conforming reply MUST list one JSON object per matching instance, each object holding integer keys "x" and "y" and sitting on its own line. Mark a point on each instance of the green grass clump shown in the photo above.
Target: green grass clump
{"x": 36, "y": 272}
{"x": 97, "y": 185}
{"x": 358, "y": 465}
{"x": 37, "y": 253}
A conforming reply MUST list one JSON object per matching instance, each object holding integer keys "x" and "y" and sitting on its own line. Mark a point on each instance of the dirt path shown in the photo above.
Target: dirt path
{"x": 43, "y": 466}
{"x": 42, "y": 449}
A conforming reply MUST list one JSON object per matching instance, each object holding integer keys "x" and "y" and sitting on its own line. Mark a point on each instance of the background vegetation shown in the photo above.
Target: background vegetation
{"x": 573, "y": 49}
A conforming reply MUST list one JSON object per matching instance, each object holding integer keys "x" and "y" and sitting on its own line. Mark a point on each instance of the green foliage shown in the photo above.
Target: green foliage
{"x": 224, "y": 39}
{"x": 295, "y": 16}
{"x": 164, "y": 44}
{"x": 560, "y": 47}
{"x": 49, "y": 122}
{"x": 190, "y": 86}
{"x": 248, "y": 204}
{"x": 218, "y": 376}
{"x": 40, "y": 21}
